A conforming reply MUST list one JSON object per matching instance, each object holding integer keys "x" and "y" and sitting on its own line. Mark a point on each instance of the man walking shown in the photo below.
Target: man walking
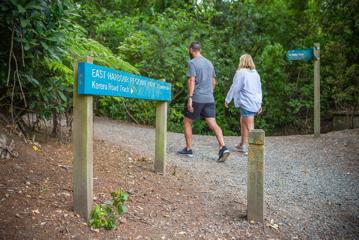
{"x": 201, "y": 104}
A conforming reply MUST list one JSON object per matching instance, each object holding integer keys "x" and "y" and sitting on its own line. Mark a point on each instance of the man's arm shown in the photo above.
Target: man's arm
{"x": 213, "y": 83}
{"x": 190, "y": 89}
{"x": 190, "y": 86}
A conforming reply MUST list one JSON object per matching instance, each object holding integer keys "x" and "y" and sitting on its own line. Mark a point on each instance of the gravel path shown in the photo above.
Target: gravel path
{"x": 311, "y": 185}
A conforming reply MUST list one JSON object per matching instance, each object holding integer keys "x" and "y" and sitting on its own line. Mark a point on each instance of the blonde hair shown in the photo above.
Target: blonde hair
{"x": 246, "y": 61}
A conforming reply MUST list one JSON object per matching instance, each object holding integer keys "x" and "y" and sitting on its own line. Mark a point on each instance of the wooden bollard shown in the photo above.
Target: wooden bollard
{"x": 161, "y": 138}
{"x": 82, "y": 137}
{"x": 255, "y": 183}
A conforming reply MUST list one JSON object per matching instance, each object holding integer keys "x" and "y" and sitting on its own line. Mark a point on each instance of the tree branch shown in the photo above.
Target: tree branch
{"x": 10, "y": 55}
{"x": 129, "y": 114}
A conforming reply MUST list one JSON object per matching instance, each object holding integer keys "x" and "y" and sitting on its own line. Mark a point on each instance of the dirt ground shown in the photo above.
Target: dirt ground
{"x": 311, "y": 188}
{"x": 36, "y": 195}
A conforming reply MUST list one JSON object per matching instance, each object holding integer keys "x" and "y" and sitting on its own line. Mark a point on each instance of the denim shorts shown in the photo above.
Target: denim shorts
{"x": 246, "y": 113}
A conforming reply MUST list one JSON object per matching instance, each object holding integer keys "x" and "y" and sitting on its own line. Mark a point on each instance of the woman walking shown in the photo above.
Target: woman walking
{"x": 246, "y": 90}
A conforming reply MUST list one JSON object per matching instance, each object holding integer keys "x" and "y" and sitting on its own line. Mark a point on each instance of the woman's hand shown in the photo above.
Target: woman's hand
{"x": 260, "y": 111}
{"x": 189, "y": 105}
{"x": 225, "y": 104}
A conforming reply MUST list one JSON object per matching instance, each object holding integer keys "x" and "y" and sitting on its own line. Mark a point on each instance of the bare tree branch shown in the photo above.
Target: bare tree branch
{"x": 10, "y": 55}
{"x": 18, "y": 78}
{"x": 129, "y": 114}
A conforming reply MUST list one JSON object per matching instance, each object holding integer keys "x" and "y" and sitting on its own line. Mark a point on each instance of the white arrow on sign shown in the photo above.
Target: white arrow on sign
{"x": 131, "y": 90}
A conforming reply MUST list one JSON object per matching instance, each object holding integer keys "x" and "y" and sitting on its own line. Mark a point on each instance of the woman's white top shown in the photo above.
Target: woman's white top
{"x": 246, "y": 90}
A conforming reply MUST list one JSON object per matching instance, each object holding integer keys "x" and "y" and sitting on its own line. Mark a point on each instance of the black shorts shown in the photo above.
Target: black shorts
{"x": 200, "y": 110}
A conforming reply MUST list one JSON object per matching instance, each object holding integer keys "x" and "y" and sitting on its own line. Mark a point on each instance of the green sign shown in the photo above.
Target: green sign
{"x": 300, "y": 55}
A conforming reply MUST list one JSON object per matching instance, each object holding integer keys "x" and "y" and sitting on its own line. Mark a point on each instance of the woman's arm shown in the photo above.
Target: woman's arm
{"x": 236, "y": 86}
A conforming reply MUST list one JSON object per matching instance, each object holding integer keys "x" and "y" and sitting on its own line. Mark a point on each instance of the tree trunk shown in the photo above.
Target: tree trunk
{"x": 55, "y": 124}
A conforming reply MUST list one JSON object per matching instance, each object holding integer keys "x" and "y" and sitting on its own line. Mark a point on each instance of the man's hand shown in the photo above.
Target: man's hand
{"x": 260, "y": 111}
{"x": 189, "y": 105}
{"x": 226, "y": 104}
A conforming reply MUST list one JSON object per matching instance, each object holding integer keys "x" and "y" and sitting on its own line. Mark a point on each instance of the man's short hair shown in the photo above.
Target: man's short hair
{"x": 195, "y": 46}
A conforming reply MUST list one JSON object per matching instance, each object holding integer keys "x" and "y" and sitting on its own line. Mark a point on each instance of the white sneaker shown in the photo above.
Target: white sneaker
{"x": 243, "y": 148}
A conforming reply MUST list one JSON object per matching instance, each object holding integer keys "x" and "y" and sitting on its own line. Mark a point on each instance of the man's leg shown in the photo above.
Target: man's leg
{"x": 187, "y": 125}
{"x": 212, "y": 124}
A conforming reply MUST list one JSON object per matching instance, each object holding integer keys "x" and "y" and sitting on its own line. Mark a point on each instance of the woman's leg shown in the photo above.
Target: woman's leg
{"x": 241, "y": 131}
{"x": 245, "y": 131}
{"x": 248, "y": 123}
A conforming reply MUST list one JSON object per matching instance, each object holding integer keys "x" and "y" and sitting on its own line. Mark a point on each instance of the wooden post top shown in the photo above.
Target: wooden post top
{"x": 89, "y": 59}
{"x": 256, "y": 136}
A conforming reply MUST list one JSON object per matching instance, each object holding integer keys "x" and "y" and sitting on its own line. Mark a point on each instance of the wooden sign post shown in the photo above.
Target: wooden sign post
{"x": 307, "y": 55}
{"x": 89, "y": 80}
{"x": 161, "y": 138}
{"x": 316, "y": 90}
{"x": 82, "y": 138}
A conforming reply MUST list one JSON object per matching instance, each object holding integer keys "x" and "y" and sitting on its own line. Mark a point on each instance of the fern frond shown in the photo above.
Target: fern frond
{"x": 79, "y": 47}
{"x": 57, "y": 66}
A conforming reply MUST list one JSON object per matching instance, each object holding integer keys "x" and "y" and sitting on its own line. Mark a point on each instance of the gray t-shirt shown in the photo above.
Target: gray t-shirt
{"x": 203, "y": 71}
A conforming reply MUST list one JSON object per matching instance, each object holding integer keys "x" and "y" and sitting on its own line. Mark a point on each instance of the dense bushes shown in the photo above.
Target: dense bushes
{"x": 153, "y": 36}
{"x": 156, "y": 43}
{"x": 41, "y": 41}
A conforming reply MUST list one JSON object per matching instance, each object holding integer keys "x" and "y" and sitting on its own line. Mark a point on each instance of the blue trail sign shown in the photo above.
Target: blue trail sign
{"x": 300, "y": 54}
{"x": 103, "y": 81}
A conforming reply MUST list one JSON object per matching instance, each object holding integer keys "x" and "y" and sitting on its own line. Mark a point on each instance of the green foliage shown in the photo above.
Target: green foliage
{"x": 158, "y": 48}
{"x": 119, "y": 198}
{"x": 102, "y": 216}
{"x": 113, "y": 31}
{"x": 151, "y": 38}
{"x": 105, "y": 215}
{"x": 41, "y": 43}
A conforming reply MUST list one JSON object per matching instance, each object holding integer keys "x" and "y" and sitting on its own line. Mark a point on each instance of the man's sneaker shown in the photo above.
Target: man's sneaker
{"x": 223, "y": 154}
{"x": 243, "y": 148}
{"x": 186, "y": 152}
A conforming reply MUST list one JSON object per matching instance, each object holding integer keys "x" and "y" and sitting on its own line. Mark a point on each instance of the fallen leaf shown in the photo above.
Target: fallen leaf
{"x": 35, "y": 148}
{"x": 65, "y": 194}
{"x": 36, "y": 211}
{"x": 273, "y": 225}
